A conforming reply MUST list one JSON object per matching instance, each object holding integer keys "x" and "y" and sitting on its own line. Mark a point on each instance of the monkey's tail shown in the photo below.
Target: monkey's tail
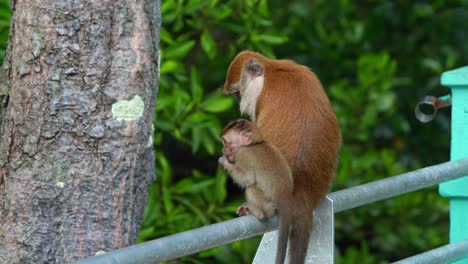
{"x": 301, "y": 229}
{"x": 285, "y": 219}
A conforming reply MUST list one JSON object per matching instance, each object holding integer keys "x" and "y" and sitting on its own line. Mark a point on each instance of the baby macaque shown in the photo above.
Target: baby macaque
{"x": 261, "y": 169}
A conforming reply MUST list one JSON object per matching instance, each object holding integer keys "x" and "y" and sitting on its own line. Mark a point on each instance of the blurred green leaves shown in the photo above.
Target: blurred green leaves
{"x": 198, "y": 39}
{"x": 374, "y": 59}
{"x": 179, "y": 50}
{"x": 4, "y": 26}
{"x": 208, "y": 44}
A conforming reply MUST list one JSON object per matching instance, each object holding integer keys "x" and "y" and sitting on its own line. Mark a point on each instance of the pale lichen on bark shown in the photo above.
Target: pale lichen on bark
{"x": 128, "y": 110}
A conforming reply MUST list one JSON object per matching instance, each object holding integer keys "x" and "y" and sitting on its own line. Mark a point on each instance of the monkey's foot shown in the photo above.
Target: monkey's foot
{"x": 243, "y": 210}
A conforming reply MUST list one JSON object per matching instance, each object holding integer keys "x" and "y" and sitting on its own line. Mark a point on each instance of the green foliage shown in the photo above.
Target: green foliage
{"x": 359, "y": 254}
{"x": 180, "y": 202}
{"x": 374, "y": 59}
{"x": 4, "y": 26}
{"x": 198, "y": 39}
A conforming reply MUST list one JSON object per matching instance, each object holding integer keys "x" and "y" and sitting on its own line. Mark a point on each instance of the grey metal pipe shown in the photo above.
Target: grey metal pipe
{"x": 445, "y": 254}
{"x": 186, "y": 243}
{"x": 397, "y": 185}
{"x": 196, "y": 240}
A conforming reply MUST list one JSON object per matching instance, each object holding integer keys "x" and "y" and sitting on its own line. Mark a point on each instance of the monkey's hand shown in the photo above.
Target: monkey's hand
{"x": 243, "y": 210}
{"x": 226, "y": 163}
{"x": 223, "y": 161}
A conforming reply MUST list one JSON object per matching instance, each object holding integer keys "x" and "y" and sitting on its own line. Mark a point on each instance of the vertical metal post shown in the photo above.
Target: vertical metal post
{"x": 321, "y": 244}
{"x": 457, "y": 190}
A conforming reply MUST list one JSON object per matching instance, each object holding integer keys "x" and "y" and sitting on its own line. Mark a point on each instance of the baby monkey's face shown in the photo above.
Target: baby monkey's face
{"x": 231, "y": 143}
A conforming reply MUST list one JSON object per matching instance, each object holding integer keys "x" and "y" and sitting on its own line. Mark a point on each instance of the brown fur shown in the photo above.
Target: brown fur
{"x": 294, "y": 113}
{"x": 261, "y": 169}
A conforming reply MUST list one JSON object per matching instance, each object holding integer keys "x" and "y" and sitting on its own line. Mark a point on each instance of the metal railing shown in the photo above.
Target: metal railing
{"x": 321, "y": 246}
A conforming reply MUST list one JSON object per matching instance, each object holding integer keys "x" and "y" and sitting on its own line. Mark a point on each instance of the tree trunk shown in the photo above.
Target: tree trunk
{"x": 77, "y": 95}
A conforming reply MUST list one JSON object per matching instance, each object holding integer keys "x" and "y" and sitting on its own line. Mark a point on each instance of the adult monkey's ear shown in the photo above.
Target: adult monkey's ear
{"x": 253, "y": 68}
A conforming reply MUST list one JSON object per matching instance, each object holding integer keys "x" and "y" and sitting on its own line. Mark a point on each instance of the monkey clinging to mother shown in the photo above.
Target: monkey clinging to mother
{"x": 287, "y": 103}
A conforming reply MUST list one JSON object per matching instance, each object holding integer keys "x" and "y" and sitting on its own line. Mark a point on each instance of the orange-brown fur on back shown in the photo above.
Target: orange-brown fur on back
{"x": 294, "y": 113}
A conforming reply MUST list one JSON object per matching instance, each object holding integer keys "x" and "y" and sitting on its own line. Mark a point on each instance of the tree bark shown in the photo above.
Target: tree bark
{"x": 77, "y": 94}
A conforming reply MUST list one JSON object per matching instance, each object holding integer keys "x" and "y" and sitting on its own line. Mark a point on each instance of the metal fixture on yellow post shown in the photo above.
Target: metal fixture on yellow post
{"x": 457, "y": 190}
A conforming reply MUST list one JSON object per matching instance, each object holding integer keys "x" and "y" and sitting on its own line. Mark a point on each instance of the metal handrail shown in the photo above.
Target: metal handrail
{"x": 397, "y": 185}
{"x": 186, "y": 243}
{"x": 445, "y": 254}
{"x": 196, "y": 240}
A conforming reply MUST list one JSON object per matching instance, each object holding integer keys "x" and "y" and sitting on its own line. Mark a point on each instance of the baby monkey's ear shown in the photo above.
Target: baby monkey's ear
{"x": 246, "y": 137}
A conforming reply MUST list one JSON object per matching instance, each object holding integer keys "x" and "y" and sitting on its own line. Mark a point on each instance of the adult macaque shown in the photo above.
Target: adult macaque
{"x": 261, "y": 169}
{"x": 287, "y": 103}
